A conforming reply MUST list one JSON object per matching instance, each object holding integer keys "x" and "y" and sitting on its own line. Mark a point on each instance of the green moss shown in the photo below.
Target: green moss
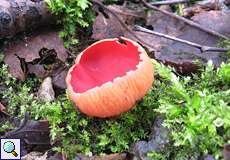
{"x": 156, "y": 155}
{"x": 196, "y": 111}
{"x": 72, "y": 14}
{"x": 78, "y": 133}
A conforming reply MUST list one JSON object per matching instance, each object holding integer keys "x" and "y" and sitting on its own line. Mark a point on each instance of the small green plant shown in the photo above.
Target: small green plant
{"x": 156, "y": 156}
{"x": 196, "y": 110}
{"x": 71, "y": 14}
{"x": 179, "y": 9}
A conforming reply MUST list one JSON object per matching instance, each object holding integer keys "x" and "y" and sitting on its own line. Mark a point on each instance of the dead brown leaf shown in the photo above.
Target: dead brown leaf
{"x": 59, "y": 78}
{"x": 107, "y": 26}
{"x": 216, "y": 20}
{"x": 47, "y": 65}
{"x": 181, "y": 54}
{"x": 163, "y": 24}
{"x": 28, "y": 50}
{"x": 37, "y": 69}
{"x": 34, "y": 135}
{"x": 15, "y": 66}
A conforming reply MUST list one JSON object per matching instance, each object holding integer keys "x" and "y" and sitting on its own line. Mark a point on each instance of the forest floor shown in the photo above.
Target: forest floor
{"x": 184, "y": 116}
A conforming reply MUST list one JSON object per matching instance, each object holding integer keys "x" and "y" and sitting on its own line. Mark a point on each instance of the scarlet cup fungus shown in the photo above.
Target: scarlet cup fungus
{"x": 109, "y": 76}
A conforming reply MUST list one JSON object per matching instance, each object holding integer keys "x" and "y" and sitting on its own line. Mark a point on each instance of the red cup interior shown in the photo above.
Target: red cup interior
{"x": 103, "y": 62}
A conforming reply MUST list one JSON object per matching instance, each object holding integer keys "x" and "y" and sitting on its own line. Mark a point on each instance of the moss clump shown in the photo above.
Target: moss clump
{"x": 73, "y": 14}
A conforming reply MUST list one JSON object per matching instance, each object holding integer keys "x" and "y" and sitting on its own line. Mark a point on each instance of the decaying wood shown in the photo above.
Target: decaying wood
{"x": 20, "y": 15}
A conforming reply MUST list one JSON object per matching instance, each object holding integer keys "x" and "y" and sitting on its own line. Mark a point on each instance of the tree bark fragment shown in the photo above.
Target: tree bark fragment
{"x": 20, "y": 15}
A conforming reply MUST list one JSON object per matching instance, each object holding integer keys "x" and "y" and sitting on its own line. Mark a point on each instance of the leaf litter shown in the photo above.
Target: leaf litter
{"x": 34, "y": 135}
{"x": 24, "y": 51}
{"x": 173, "y": 53}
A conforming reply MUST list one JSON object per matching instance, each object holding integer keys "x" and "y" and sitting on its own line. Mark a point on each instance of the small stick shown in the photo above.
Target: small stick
{"x": 189, "y": 22}
{"x": 127, "y": 13}
{"x": 202, "y": 48}
{"x": 168, "y": 2}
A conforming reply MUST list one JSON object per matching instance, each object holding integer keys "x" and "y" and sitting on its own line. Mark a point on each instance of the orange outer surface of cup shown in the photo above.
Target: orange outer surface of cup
{"x": 117, "y": 96}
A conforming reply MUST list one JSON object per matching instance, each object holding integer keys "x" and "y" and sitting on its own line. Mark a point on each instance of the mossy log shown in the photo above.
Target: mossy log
{"x": 20, "y": 15}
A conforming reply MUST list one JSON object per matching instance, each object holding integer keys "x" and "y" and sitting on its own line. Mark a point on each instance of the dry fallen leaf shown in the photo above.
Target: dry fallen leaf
{"x": 28, "y": 50}
{"x": 37, "y": 69}
{"x": 107, "y": 26}
{"x": 176, "y": 28}
{"x": 163, "y": 24}
{"x": 15, "y": 66}
{"x": 216, "y": 20}
{"x": 34, "y": 135}
{"x": 181, "y": 54}
{"x": 59, "y": 78}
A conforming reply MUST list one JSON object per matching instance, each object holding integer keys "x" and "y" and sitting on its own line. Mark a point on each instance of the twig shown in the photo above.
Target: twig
{"x": 202, "y": 48}
{"x": 22, "y": 125}
{"x": 97, "y": 2}
{"x": 168, "y": 2}
{"x": 5, "y": 113}
{"x": 127, "y": 13}
{"x": 189, "y": 22}
{"x": 24, "y": 122}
